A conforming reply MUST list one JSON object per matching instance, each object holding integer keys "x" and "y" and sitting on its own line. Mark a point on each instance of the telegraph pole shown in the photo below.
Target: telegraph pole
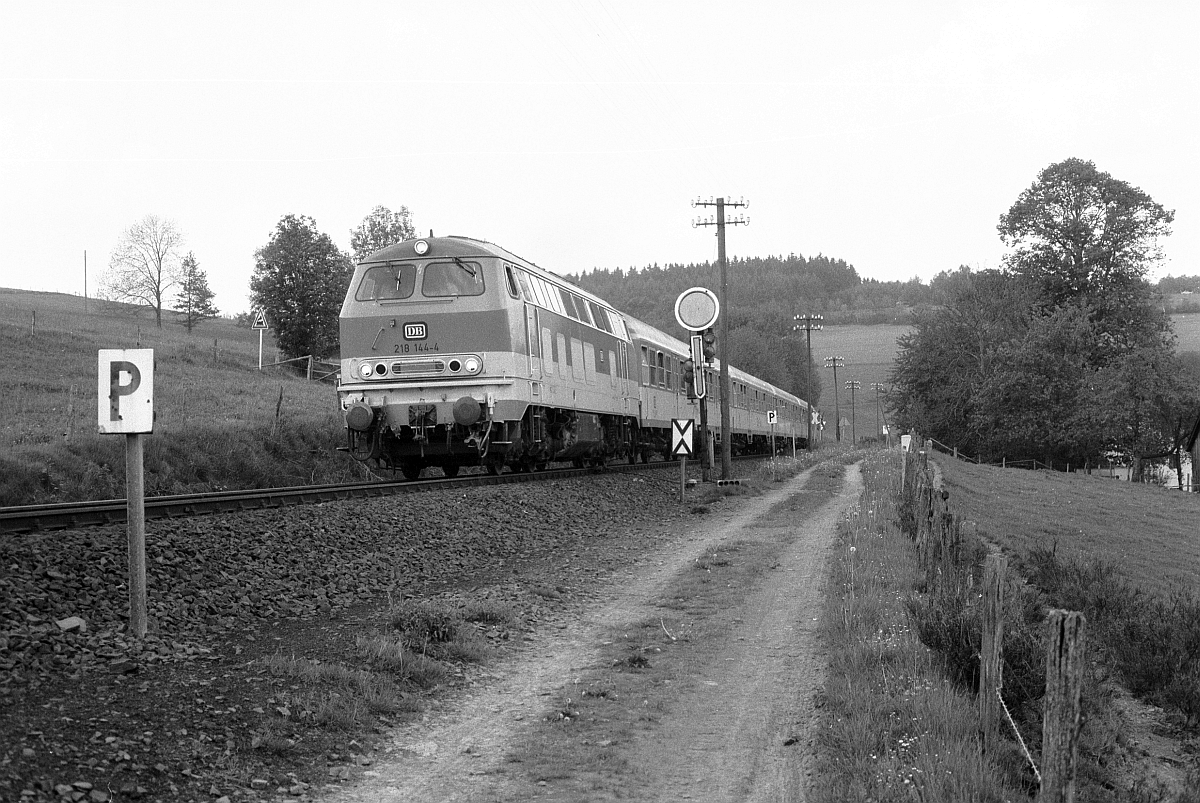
{"x": 726, "y": 390}
{"x": 808, "y": 323}
{"x": 854, "y": 385}
{"x": 878, "y": 386}
{"x": 835, "y": 363}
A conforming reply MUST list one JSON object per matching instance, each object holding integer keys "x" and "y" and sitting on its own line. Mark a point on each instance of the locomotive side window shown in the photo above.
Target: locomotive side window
{"x": 449, "y": 279}
{"x": 568, "y": 303}
{"x": 512, "y": 281}
{"x": 600, "y": 316}
{"x": 385, "y": 282}
{"x": 525, "y": 287}
{"x": 582, "y": 307}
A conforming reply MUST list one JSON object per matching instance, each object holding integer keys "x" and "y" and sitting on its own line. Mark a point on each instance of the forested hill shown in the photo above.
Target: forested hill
{"x": 764, "y": 295}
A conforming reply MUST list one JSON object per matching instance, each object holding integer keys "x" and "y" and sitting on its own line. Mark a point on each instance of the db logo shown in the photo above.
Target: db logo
{"x": 415, "y": 331}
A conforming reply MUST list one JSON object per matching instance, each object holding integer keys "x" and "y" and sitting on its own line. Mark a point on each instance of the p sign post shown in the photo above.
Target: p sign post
{"x": 125, "y": 390}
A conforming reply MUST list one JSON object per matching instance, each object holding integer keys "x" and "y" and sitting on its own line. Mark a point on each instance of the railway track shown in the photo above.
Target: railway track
{"x": 40, "y": 518}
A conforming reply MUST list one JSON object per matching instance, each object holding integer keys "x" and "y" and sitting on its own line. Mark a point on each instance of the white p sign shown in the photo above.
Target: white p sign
{"x": 125, "y": 390}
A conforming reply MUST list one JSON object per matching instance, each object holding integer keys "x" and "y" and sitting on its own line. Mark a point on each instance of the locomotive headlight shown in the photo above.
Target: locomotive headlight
{"x": 364, "y": 370}
{"x": 472, "y": 365}
{"x": 421, "y": 247}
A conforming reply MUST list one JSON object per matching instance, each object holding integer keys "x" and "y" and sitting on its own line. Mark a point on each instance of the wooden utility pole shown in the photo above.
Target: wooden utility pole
{"x": 808, "y": 323}
{"x": 853, "y": 385}
{"x": 835, "y": 363}
{"x": 726, "y": 389}
{"x": 878, "y": 387}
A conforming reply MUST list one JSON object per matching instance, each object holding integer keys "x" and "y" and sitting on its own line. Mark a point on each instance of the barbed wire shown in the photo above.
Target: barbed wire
{"x": 1021, "y": 741}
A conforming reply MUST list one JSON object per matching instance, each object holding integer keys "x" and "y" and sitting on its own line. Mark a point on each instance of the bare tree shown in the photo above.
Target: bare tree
{"x": 145, "y": 264}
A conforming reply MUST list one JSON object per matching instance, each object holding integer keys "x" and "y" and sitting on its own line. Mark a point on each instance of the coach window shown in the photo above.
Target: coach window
{"x": 662, "y": 370}
{"x": 448, "y": 279}
{"x": 387, "y": 282}
{"x": 645, "y": 366}
{"x": 671, "y": 373}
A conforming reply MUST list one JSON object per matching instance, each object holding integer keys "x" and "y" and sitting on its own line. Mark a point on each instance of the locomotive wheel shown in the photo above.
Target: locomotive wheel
{"x": 493, "y": 468}
{"x": 411, "y": 471}
{"x": 450, "y": 470}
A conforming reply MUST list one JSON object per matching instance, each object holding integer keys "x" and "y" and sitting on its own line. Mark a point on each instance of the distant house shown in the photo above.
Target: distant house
{"x": 1193, "y": 448}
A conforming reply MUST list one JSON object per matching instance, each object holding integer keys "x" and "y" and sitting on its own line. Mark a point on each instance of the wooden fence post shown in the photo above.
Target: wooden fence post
{"x": 991, "y": 669}
{"x": 70, "y": 415}
{"x": 1064, "y": 685}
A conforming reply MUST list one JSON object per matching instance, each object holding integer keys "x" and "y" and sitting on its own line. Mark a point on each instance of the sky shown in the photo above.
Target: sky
{"x": 576, "y": 133}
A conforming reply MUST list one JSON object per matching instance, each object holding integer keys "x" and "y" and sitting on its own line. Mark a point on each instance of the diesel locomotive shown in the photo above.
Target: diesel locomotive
{"x": 456, "y": 352}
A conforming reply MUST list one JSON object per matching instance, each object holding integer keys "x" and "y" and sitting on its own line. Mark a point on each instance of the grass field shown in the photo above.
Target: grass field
{"x": 869, "y": 353}
{"x": 1187, "y": 329}
{"x": 1148, "y": 532}
{"x": 220, "y": 422}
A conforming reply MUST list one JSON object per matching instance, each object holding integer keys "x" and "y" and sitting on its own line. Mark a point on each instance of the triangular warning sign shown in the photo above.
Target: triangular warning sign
{"x": 260, "y": 320}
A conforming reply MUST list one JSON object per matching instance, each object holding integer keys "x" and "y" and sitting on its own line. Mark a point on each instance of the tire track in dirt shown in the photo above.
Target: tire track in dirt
{"x": 458, "y": 753}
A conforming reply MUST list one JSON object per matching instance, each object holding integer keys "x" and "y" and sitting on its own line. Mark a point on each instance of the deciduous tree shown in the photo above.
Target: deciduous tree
{"x": 381, "y": 228}
{"x": 300, "y": 279}
{"x": 194, "y": 301}
{"x": 145, "y": 265}
{"x": 1084, "y": 237}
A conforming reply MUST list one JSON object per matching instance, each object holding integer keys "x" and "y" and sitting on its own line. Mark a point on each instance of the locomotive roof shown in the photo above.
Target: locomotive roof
{"x": 458, "y": 246}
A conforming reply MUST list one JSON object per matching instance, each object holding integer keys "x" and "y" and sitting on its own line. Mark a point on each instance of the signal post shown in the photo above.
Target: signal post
{"x": 696, "y": 310}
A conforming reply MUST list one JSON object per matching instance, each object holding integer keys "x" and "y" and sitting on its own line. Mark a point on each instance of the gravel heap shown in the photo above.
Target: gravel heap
{"x": 213, "y": 574}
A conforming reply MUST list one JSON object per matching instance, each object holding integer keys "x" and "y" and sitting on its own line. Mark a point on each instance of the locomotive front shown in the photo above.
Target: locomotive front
{"x": 431, "y": 340}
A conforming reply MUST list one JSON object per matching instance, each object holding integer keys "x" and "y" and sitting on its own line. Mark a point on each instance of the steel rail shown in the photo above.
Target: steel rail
{"x": 39, "y": 518}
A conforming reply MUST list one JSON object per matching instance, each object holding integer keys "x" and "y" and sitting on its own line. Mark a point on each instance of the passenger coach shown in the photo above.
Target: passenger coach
{"x": 456, "y": 352}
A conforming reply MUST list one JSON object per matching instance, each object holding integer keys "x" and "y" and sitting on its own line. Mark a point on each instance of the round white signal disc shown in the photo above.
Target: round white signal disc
{"x": 697, "y": 309}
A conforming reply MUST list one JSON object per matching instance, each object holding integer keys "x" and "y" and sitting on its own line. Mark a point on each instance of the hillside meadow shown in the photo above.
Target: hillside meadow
{"x": 1147, "y": 532}
{"x": 869, "y": 352}
{"x": 220, "y": 422}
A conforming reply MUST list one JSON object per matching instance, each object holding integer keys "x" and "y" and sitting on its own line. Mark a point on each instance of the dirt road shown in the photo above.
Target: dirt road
{"x": 735, "y": 722}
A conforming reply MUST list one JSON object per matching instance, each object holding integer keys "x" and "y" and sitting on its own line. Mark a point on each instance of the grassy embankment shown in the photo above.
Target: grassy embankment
{"x": 221, "y": 423}
{"x": 900, "y": 719}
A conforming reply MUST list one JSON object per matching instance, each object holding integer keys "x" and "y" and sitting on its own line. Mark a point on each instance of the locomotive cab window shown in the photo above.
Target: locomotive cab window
{"x": 448, "y": 279}
{"x": 387, "y": 282}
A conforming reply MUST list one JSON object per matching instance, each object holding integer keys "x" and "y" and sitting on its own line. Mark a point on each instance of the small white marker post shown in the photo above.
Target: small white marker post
{"x": 125, "y": 390}
{"x": 681, "y": 446}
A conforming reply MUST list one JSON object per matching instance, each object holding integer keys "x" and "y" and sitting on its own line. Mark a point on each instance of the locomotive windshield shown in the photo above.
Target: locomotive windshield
{"x": 387, "y": 282}
{"x": 457, "y": 278}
